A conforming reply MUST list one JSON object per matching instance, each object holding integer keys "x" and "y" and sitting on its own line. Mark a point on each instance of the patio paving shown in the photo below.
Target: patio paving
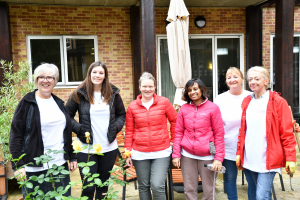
{"x": 132, "y": 194}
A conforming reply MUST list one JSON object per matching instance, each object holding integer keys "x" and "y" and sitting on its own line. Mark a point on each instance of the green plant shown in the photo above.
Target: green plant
{"x": 14, "y": 86}
{"x": 55, "y": 173}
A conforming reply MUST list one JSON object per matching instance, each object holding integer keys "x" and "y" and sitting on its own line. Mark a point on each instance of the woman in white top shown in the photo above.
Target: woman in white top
{"x": 41, "y": 122}
{"x": 230, "y": 105}
{"x": 101, "y": 113}
{"x": 147, "y": 135}
{"x": 266, "y": 141}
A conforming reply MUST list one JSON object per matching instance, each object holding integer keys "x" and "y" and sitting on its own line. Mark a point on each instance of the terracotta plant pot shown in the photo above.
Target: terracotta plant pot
{"x": 3, "y": 181}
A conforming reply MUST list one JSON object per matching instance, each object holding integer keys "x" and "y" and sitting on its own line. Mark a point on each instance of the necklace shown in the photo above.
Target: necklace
{"x": 100, "y": 100}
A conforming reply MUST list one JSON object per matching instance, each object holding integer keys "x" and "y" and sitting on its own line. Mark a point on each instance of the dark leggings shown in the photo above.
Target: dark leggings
{"x": 103, "y": 165}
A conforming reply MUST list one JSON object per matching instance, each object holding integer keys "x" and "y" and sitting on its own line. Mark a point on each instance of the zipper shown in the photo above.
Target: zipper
{"x": 108, "y": 132}
{"x": 195, "y": 115}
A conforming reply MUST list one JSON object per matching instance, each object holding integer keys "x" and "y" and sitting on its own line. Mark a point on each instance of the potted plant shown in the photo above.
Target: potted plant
{"x": 14, "y": 86}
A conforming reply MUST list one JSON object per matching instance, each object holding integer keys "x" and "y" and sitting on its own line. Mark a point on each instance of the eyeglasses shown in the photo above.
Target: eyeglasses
{"x": 48, "y": 78}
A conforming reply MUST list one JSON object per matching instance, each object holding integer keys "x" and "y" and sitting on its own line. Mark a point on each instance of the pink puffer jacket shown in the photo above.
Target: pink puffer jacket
{"x": 196, "y": 126}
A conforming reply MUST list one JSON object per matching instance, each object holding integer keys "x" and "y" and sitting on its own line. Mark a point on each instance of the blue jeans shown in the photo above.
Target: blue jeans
{"x": 47, "y": 186}
{"x": 230, "y": 179}
{"x": 259, "y": 185}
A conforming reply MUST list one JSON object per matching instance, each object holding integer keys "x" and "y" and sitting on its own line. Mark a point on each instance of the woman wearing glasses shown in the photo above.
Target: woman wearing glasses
{"x": 41, "y": 122}
{"x": 147, "y": 136}
{"x": 102, "y": 114}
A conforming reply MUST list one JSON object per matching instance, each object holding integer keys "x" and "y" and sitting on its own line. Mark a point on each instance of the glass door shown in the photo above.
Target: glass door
{"x": 211, "y": 56}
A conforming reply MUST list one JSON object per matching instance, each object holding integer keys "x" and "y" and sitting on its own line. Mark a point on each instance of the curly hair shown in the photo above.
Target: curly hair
{"x": 190, "y": 83}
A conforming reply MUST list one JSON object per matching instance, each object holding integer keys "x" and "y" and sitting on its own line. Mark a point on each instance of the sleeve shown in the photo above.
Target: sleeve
{"x": 17, "y": 131}
{"x": 286, "y": 131}
{"x": 179, "y": 132}
{"x": 129, "y": 131}
{"x": 72, "y": 108}
{"x": 120, "y": 113}
{"x": 172, "y": 116}
{"x": 218, "y": 132}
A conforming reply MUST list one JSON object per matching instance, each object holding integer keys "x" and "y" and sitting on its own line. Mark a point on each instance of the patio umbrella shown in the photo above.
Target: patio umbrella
{"x": 178, "y": 47}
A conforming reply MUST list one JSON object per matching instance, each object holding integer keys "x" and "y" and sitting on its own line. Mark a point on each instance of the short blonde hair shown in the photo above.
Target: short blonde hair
{"x": 236, "y": 70}
{"x": 147, "y": 76}
{"x": 264, "y": 72}
{"x": 44, "y": 68}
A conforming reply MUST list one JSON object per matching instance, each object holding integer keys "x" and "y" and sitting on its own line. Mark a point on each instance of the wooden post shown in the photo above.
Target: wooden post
{"x": 5, "y": 44}
{"x": 147, "y": 30}
{"x": 136, "y": 48}
{"x": 284, "y": 35}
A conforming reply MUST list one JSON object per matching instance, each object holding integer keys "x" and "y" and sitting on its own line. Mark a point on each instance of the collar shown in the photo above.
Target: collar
{"x": 205, "y": 100}
{"x": 139, "y": 97}
{"x": 266, "y": 94}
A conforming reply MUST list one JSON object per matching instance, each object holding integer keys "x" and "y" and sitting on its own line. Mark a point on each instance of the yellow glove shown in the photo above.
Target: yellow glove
{"x": 290, "y": 167}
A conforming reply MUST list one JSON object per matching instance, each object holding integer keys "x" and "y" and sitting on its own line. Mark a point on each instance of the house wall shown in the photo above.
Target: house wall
{"x": 269, "y": 28}
{"x": 111, "y": 25}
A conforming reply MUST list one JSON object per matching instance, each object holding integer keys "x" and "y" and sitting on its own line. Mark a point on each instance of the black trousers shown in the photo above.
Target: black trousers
{"x": 103, "y": 165}
{"x": 47, "y": 186}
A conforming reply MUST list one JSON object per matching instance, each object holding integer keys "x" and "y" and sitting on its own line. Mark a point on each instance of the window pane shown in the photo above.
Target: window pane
{"x": 228, "y": 53}
{"x": 167, "y": 86}
{"x": 295, "y": 106}
{"x": 80, "y": 55}
{"x": 45, "y": 51}
{"x": 201, "y": 61}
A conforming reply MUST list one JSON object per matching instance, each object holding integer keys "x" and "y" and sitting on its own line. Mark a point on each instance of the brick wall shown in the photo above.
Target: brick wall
{"x": 269, "y": 28}
{"x": 111, "y": 25}
{"x": 218, "y": 21}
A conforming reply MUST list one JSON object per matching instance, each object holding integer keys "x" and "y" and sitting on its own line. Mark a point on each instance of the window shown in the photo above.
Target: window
{"x": 211, "y": 56}
{"x": 71, "y": 54}
{"x": 296, "y": 96}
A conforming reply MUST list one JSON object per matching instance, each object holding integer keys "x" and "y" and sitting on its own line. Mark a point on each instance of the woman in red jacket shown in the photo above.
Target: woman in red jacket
{"x": 147, "y": 136}
{"x": 266, "y": 141}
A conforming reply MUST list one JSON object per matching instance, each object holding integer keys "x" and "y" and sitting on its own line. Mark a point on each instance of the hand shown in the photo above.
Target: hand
{"x": 171, "y": 144}
{"x": 176, "y": 162}
{"x": 296, "y": 126}
{"x": 73, "y": 166}
{"x": 20, "y": 174}
{"x": 238, "y": 162}
{"x": 217, "y": 165}
{"x": 129, "y": 162}
{"x": 290, "y": 167}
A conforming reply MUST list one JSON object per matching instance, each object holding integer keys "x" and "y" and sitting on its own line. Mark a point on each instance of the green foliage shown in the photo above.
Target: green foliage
{"x": 15, "y": 86}
{"x": 56, "y": 173}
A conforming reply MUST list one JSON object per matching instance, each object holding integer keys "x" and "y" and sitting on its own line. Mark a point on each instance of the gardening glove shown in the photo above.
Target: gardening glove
{"x": 290, "y": 167}
{"x": 238, "y": 162}
{"x": 296, "y": 127}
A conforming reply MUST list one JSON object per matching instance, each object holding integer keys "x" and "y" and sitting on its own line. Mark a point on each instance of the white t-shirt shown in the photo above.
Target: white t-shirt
{"x": 187, "y": 154}
{"x": 138, "y": 155}
{"x": 231, "y": 110}
{"x": 100, "y": 115}
{"x": 256, "y": 141}
{"x": 53, "y": 123}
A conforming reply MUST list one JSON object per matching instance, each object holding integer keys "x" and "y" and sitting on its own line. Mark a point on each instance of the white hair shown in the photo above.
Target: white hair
{"x": 45, "y": 68}
{"x": 264, "y": 72}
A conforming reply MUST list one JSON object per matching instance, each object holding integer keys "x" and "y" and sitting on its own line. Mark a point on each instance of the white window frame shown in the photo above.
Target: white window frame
{"x": 64, "y": 82}
{"x": 214, "y": 38}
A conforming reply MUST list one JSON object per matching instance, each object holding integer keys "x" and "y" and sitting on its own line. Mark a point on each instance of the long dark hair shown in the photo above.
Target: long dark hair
{"x": 106, "y": 90}
{"x": 185, "y": 95}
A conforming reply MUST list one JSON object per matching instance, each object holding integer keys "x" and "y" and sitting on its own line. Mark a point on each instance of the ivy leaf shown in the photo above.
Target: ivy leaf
{"x": 91, "y": 163}
{"x": 65, "y": 171}
{"x": 82, "y": 164}
{"x": 96, "y": 175}
{"x": 98, "y": 181}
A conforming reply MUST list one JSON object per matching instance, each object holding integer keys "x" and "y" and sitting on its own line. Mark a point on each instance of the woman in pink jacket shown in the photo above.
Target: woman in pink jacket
{"x": 199, "y": 140}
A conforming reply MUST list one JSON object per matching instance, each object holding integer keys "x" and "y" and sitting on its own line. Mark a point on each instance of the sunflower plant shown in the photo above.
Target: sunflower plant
{"x": 55, "y": 173}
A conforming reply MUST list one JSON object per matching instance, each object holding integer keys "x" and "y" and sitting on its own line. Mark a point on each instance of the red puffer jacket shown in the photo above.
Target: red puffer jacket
{"x": 196, "y": 127}
{"x": 147, "y": 130}
{"x": 280, "y": 138}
